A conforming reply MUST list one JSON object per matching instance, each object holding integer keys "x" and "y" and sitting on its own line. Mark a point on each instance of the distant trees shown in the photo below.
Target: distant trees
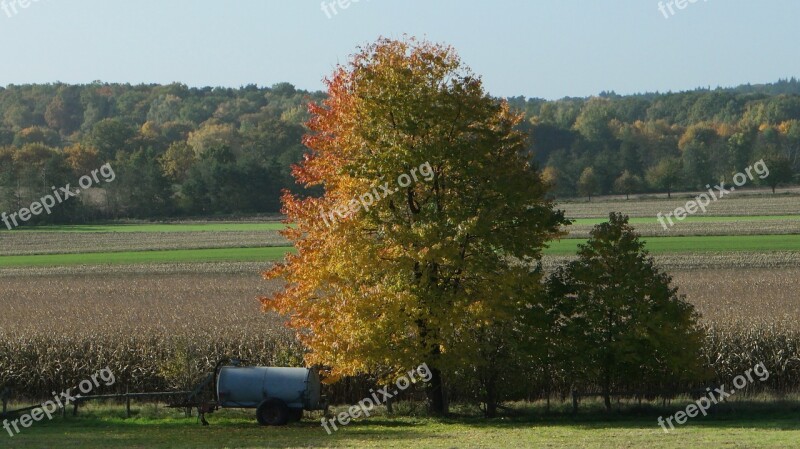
{"x": 176, "y": 150}
{"x": 710, "y": 133}
{"x": 705, "y": 135}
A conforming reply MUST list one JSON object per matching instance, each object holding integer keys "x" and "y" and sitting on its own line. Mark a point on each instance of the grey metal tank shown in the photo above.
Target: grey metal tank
{"x": 250, "y": 387}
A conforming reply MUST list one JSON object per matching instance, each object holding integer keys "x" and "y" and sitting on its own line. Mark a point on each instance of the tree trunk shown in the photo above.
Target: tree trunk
{"x": 435, "y": 391}
{"x": 607, "y": 388}
{"x": 491, "y": 399}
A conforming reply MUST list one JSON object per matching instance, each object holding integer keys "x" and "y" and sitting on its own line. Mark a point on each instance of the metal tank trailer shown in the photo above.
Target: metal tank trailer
{"x": 279, "y": 395}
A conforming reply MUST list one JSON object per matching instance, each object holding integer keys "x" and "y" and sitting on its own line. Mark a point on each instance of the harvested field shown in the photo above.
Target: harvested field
{"x": 733, "y": 298}
{"x": 142, "y": 304}
{"x": 148, "y": 298}
{"x": 219, "y": 303}
{"x": 733, "y": 205}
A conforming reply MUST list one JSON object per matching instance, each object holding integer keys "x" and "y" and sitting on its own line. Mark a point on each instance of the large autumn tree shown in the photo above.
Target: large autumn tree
{"x": 423, "y": 271}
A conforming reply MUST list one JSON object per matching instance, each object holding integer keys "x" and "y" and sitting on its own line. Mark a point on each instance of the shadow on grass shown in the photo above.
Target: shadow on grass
{"x": 155, "y": 428}
{"x": 755, "y": 414}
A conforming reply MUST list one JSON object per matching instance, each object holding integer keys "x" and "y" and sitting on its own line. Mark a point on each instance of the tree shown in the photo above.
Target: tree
{"x": 140, "y": 188}
{"x": 64, "y": 113}
{"x": 212, "y": 136}
{"x": 697, "y": 165}
{"x": 665, "y": 175}
{"x": 587, "y": 183}
{"x": 110, "y": 136}
{"x": 38, "y": 168}
{"x": 165, "y": 108}
{"x": 423, "y": 271}
{"x": 592, "y": 123}
{"x": 550, "y": 176}
{"x": 177, "y": 161}
{"x": 36, "y": 134}
{"x": 624, "y": 323}
{"x": 82, "y": 159}
{"x": 780, "y": 171}
{"x": 627, "y": 183}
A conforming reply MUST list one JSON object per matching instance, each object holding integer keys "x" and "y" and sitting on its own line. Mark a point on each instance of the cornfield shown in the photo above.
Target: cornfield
{"x": 164, "y": 330}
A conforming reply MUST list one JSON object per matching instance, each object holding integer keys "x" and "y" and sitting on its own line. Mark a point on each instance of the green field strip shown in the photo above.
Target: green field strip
{"x": 275, "y": 226}
{"x": 693, "y": 219}
{"x": 160, "y": 227}
{"x": 265, "y": 254}
{"x": 656, "y": 245}
{"x": 697, "y": 244}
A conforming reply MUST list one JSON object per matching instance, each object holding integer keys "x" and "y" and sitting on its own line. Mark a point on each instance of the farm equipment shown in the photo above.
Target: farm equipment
{"x": 279, "y": 395}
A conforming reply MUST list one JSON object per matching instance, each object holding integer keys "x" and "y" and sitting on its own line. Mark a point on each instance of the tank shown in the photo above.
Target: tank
{"x": 248, "y": 387}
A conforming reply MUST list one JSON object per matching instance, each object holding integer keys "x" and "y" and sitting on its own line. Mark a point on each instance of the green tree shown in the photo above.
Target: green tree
{"x": 110, "y": 136}
{"x": 626, "y": 326}
{"x": 592, "y": 123}
{"x": 37, "y": 134}
{"x": 697, "y": 165}
{"x": 627, "y": 183}
{"x": 214, "y": 136}
{"x": 780, "y": 171}
{"x": 140, "y": 188}
{"x": 665, "y": 175}
{"x": 587, "y": 183}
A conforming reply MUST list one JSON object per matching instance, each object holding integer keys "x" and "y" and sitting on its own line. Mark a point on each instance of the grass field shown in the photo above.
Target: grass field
{"x": 275, "y": 226}
{"x": 657, "y": 245}
{"x": 70, "y": 292}
{"x": 729, "y": 429}
{"x": 160, "y": 227}
{"x": 134, "y": 257}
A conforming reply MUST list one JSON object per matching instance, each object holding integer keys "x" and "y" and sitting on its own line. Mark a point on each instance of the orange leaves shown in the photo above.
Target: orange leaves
{"x": 395, "y": 283}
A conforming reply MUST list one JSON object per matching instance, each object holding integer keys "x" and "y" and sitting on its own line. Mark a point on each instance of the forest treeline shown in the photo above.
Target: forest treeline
{"x": 181, "y": 151}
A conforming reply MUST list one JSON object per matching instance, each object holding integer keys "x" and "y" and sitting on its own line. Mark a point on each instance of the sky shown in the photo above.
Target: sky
{"x": 534, "y": 48}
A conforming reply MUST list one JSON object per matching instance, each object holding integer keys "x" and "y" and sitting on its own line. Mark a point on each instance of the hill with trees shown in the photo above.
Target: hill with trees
{"x": 186, "y": 151}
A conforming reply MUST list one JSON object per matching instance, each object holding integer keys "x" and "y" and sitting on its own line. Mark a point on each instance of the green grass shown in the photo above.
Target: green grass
{"x": 145, "y": 257}
{"x": 692, "y": 219}
{"x": 779, "y": 429}
{"x": 656, "y": 245}
{"x": 701, "y": 244}
{"x": 159, "y": 227}
{"x": 274, "y": 226}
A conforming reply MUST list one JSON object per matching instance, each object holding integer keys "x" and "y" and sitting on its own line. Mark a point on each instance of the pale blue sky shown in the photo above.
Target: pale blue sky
{"x": 536, "y": 48}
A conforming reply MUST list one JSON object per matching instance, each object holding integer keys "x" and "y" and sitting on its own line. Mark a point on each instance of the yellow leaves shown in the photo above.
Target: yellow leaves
{"x": 412, "y": 277}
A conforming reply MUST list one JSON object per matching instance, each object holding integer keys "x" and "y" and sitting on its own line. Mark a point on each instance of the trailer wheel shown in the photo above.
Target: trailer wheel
{"x": 272, "y": 412}
{"x": 295, "y": 414}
